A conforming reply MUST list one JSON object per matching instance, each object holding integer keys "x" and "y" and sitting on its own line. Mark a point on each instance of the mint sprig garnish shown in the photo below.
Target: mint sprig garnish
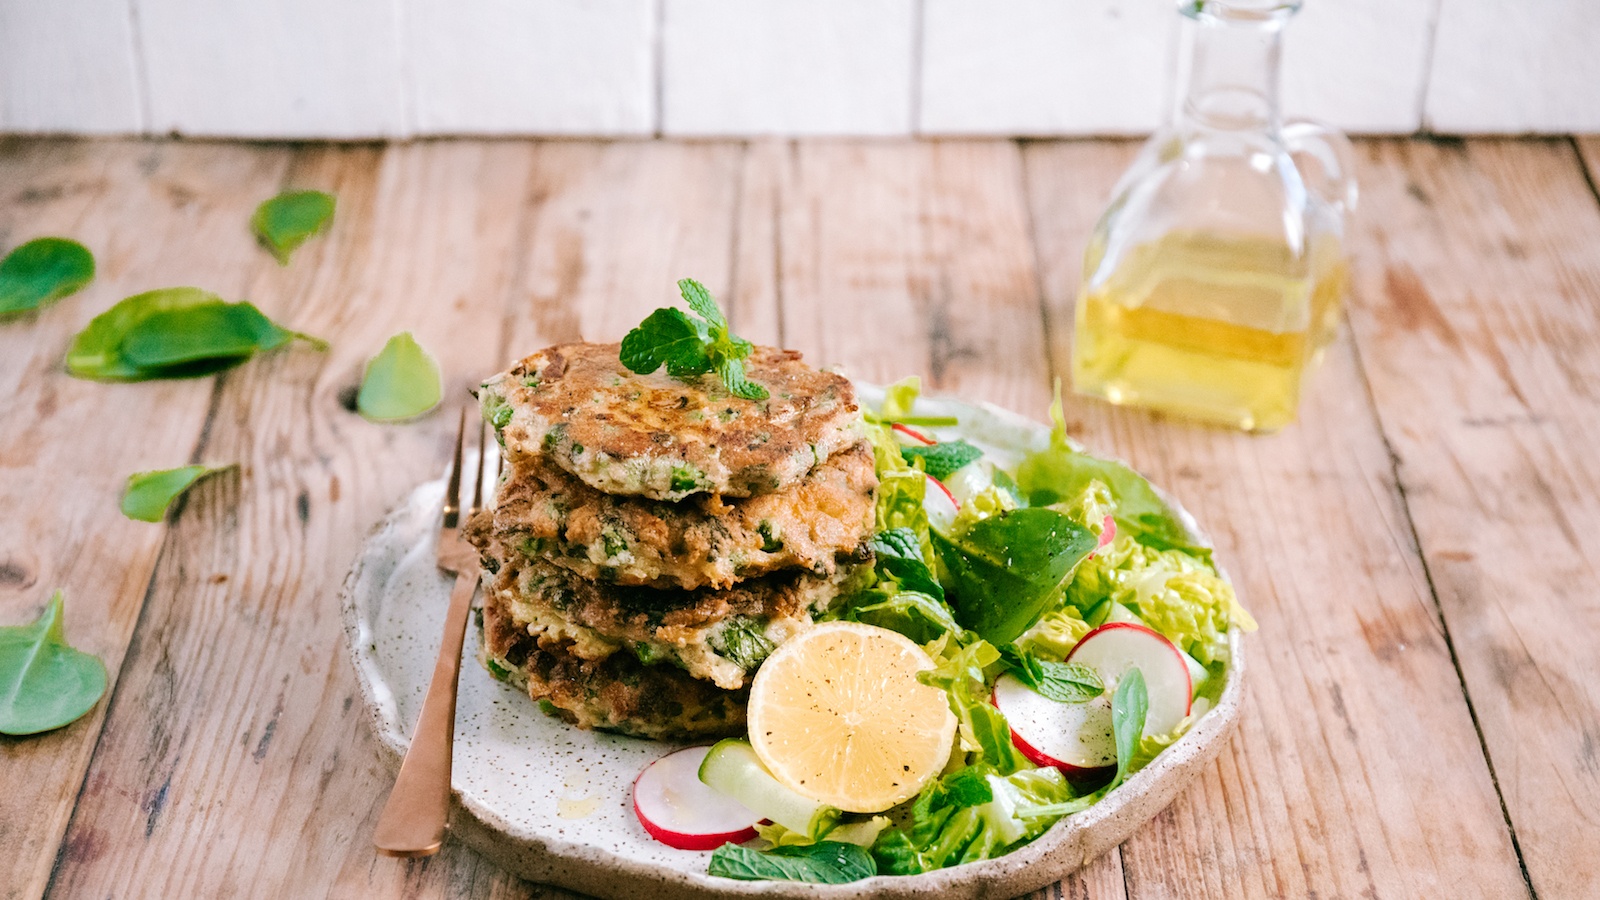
{"x": 691, "y": 345}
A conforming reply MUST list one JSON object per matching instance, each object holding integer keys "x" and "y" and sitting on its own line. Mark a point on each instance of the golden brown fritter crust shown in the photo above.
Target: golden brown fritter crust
{"x": 703, "y": 541}
{"x": 618, "y": 693}
{"x": 666, "y": 438}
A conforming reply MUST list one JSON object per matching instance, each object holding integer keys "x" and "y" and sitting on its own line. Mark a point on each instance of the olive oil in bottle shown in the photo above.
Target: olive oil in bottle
{"x": 1215, "y": 277}
{"x": 1218, "y": 328}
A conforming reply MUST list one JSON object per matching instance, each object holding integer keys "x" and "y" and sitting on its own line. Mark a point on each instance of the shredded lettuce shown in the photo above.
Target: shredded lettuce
{"x": 1176, "y": 594}
{"x": 965, "y": 673}
{"x": 969, "y": 815}
{"x": 1055, "y": 634}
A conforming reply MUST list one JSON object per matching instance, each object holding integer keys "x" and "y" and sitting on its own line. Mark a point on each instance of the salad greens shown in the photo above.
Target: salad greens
{"x": 44, "y": 682}
{"x": 1005, "y": 570}
{"x": 402, "y": 382}
{"x": 287, "y": 220}
{"x": 180, "y": 332}
{"x": 1033, "y": 554}
{"x": 41, "y": 271}
{"x": 148, "y": 494}
{"x": 690, "y": 346}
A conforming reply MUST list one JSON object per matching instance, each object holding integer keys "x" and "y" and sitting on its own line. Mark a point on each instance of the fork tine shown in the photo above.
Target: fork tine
{"x": 477, "y": 483}
{"x": 452, "y": 494}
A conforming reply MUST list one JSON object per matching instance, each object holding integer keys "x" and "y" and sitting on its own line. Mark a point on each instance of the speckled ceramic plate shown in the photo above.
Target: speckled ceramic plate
{"x": 553, "y": 803}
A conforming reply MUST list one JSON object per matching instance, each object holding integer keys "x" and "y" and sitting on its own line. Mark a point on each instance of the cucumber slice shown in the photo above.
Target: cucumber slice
{"x": 1110, "y": 611}
{"x": 733, "y": 768}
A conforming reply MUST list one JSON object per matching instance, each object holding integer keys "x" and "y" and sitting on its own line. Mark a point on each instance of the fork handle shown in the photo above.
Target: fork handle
{"x": 413, "y": 821}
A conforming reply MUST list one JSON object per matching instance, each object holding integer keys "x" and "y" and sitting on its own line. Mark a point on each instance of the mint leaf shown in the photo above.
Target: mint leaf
{"x": 44, "y": 682}
{"x": 43, "y": 270}
{"x": 667, "y": 337}
{"x": 287, "y": 220}
{"x": 148, "y": 494}
{"x": 732, "y": 373}
{"x": 699, "y": 299}
{"x": 1062, "y": 682}
{"x": 401, "y": 382}
{"x": 942, "y": 459}
{"x": 690, "y": 346}
{"x": 825, "y": 862}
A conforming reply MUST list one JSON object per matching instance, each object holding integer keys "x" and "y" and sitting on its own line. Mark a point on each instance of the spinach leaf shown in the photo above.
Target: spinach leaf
{"x": 1007, "y": 569}
{"x": 42, "y": 270}
{"x": 177, "y": 332}
{"x": 1062, "y": 682}
{"x": 148, "y": 494}
{"x": 287, "y": 220}
{"x": 898, "y": 553}
{"x": 825, "y": 862}
{"x": 44, "y": 682}
{"x": 944, "y": 458}
{"x": 915, "y": 615}
{"x": 1129, "y": 706}
{"x": 401, "y": 382}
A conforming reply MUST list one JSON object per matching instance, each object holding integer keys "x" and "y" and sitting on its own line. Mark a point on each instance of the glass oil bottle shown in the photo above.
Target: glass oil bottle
{"x": 1215, "y": 279}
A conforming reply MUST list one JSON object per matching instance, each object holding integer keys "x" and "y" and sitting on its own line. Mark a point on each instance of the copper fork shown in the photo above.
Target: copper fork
{"x": 413, "y": 821}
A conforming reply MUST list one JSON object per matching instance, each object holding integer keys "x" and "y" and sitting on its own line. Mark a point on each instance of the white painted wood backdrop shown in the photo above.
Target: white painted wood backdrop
{"x": 398, "y": 68}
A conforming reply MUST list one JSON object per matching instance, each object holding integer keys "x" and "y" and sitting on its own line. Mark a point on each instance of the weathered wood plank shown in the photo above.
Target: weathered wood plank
{"x": 68, "y": 445}
{"x": 1478, "y": 318}
{"x": 238, "y": 728}
{"x": 1357, "y": 771}
{"x": 908, "y": 259}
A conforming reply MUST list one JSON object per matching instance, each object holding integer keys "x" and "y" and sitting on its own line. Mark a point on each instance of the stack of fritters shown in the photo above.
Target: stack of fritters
{"x": 654, "y": 539}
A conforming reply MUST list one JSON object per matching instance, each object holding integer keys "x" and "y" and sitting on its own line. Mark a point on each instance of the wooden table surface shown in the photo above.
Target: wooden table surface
{"x": 1422, "y": 549}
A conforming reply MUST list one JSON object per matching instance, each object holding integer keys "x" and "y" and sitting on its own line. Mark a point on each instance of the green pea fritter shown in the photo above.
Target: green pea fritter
{"x": 668, "y": 438}
{"x": 618, "y": 693}
{"x": 702, "y": 541}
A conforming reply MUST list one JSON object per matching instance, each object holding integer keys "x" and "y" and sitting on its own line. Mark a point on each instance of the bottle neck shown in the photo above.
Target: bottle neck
{"x": 1228, "y": 71}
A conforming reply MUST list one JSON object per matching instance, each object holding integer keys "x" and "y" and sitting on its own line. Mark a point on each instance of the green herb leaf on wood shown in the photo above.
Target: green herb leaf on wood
{"x": 43, "y": 270}
{"x": 401, "y": 382}
{"x": 287, "y": 220}
{"x": 44, "y": 682}
{"x": 148, "y": 494}
{"x": 825, "y": 862}
{"x": 180, "y": 332}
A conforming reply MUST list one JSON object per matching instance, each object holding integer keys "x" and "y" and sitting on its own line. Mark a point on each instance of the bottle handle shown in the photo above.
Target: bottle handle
{"x": 1335, "y": 156}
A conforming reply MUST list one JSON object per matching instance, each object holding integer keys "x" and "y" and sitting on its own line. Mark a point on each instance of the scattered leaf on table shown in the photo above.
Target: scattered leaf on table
{"x": 42, "y": 270}
{"x": 148, "y": 494}
{"x": 44, "y": 683}
{"x": 287, "y": 220}
{"x": 179, "y": 332}
{"x": 401, "y": 382}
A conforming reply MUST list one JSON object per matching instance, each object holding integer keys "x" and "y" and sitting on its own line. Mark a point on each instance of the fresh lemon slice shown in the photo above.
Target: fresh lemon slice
{"x": 837, "y": 714}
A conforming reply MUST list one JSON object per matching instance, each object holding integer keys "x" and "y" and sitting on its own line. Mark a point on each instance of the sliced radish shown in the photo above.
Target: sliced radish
{"x": 1108, "y": 533}
{"x": 680, "y": 811}
{"x": 911, "y": 436}
{"x": 940, "y": 504}
{"x": 1073, "y": 737}
{"x": 1115, "y": 647}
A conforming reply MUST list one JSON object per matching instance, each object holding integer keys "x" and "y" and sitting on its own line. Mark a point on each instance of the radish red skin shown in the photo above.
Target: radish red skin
{"x": 679, "y": 841}
{"x": 1078, "y": 775}
{"x": 946, "y": 490}
{"x": 685, "y": 840}
{"x": 913, "y": 434}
